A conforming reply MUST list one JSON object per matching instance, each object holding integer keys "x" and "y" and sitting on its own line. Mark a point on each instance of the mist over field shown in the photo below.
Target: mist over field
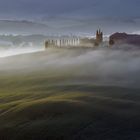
{"x": 75, "y": 93}
{"x": 5, "y": 52}
{"x": 51, "y": 89}
{"x": 103, "y": 66}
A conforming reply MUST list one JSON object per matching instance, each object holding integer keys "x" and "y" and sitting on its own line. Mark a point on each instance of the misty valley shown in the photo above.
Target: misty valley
{"x": 70, "y": 70}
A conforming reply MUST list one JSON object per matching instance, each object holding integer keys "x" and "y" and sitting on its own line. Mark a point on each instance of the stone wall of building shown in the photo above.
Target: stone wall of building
{"x": 62, "y": 41}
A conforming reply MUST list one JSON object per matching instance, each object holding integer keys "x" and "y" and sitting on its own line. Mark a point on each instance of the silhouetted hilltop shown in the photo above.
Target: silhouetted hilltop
{"x": 123, "y": 38}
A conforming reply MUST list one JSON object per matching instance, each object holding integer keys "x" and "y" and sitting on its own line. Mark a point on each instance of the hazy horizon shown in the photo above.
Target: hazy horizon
{"x": 65, "y": 17}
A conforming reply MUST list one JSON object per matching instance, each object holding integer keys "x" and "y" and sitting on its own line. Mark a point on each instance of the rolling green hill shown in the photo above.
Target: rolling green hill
{"x": 37, "y": 103}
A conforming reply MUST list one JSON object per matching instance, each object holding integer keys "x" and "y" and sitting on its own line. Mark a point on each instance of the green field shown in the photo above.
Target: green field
{"x": 43, "y": 105}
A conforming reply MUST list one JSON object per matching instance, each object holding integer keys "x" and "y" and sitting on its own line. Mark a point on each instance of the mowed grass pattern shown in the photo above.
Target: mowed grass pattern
{"x": 40, "y": 108}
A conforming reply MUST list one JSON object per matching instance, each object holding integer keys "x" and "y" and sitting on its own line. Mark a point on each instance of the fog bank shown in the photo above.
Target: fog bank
{"x": 102, "y": 67}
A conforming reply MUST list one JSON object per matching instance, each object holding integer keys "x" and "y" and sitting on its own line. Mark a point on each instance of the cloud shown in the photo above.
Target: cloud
{"x": 94, "y": 8}
{"x": 111, "y": 15}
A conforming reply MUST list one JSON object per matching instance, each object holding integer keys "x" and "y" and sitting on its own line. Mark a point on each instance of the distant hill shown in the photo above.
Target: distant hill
{"x": 123, "y": 38}
{"x": 17, "y": 40}
{"x": 22, "y": 27}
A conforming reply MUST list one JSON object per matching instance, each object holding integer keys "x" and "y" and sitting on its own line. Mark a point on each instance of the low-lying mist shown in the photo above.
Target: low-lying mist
{"x": 10, "y": 51}
{"x": 102, "y": 66}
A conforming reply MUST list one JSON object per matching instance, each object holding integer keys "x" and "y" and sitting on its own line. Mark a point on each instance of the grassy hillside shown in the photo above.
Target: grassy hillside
{"x": 40, "y": 105}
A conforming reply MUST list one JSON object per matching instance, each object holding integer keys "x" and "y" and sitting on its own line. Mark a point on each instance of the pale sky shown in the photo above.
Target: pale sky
{"x": 73, "y": 15}
{"x": 78, "y": 8}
